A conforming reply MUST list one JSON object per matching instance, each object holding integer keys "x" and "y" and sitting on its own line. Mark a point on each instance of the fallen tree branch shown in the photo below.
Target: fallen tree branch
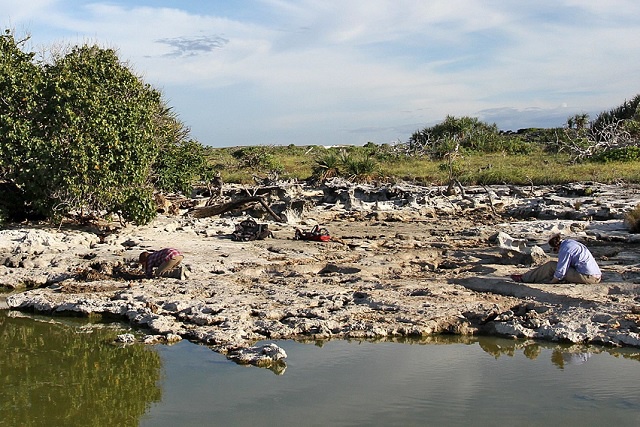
{"x": 207, "y": 211}
{"x": 493, "y": 209}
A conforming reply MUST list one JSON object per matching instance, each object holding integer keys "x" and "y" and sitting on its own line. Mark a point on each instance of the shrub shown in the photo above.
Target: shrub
{"x": 79, "y": 133}
{"x": 629, "y": 153}
{"x": 137, "y": 206}
{"x": 509, "y": 145}
{"x": 467, "y": 134}
{"x": 359, "y": 167}
{"x": 327, "y": 166}
{"x": 178, "y": 165}
{"x": 257, "y": 158}
{"x": 352, "y": 163}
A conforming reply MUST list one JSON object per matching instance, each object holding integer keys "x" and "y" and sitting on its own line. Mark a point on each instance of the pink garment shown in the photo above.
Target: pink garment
{"x": 157, "y": 258}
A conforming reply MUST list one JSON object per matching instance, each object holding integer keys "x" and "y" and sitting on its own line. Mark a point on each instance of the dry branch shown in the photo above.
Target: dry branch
{"x": 207, "y": 211}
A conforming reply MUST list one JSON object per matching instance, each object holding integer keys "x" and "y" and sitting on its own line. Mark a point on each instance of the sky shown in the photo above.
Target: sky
{"x": 331, "y": 72}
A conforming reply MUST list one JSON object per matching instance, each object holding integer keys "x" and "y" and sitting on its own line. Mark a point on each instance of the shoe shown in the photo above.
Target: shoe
{"x": 184, "y": 273}
{"x": 517, "y": 277}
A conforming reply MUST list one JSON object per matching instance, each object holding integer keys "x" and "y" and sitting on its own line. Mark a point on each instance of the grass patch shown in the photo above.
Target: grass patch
{"x": 539, "y": 167}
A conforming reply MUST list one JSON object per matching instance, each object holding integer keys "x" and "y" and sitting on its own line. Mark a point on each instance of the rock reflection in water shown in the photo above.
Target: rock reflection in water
{"x": 59, "y": 373}
{"x": 562, "y": 354}
{"x": 434, "y": 380}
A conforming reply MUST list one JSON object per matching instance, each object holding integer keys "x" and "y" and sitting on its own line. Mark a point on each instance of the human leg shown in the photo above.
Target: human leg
{"x": 573, "y": 276}
{"x": 541, "y": 274}
{"x": 168, "y": 265}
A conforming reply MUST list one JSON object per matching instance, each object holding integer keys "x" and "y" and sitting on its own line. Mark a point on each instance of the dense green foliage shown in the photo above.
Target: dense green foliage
{"x": 623, "y": 154}
{"x": 258, "y": 158}
{"x": 354, "y": 164}
{"x": 81, "y": 133}
{"x": 465, "y": 135}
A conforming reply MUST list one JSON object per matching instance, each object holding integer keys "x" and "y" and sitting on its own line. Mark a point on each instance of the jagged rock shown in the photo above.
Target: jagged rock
{"x": 125, "y": 338}
{"x": 509, "y": 243}
{"x": 538, "y": 256}
{"x": 264, "y": 355}
{"x": 513, "y": 329}
{"x": 403, "y": 261}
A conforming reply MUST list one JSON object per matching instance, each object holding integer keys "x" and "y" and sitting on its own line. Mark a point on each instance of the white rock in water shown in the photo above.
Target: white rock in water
{"x": 259, "y": 355}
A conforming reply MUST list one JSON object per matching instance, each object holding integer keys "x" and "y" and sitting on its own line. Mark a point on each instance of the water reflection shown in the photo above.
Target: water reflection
{"x": 440, "y": 380}
{"x": 69, "y": 373}
{"x": 66, "y": 372}
{"x": 562, "y": 354}
{"x": 560, "y": 358}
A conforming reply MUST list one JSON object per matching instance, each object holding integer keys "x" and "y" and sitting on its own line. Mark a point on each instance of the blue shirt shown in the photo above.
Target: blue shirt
{"x": 575, "y": 254}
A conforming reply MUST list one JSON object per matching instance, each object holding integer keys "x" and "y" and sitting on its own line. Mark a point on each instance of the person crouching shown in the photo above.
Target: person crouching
{"x": 575, "y": 264}
{"x": 162, "y": 263}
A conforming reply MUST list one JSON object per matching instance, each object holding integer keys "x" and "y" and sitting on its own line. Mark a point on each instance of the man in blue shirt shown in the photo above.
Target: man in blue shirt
{"x": 575, "y": 264}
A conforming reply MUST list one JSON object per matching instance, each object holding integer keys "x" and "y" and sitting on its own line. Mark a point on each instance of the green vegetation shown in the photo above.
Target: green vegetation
{"x": 81, "y": 134}
{"x": 467, "y": 151}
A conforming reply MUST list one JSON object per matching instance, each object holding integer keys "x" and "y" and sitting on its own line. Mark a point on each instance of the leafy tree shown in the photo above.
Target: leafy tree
{"x": 179, "y": 164}
{"x": 100, "y": 127}
{"x": 83, "y": 133}
{"x": 20, "y": 83}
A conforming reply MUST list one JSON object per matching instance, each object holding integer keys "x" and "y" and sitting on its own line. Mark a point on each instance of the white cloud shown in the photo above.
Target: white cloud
{"x": 301, "y": 67}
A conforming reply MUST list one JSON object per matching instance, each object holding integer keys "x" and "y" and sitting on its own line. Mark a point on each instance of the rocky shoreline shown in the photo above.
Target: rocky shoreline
{"x": 403, "y": 260}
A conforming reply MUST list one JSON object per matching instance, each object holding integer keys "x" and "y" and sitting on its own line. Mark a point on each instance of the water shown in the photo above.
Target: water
{"x": 68, "y": 374}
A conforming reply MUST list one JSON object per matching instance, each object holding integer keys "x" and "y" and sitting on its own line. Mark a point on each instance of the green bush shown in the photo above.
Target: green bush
{"x": 352, "y": 163}
{"x": 257, "y": 158}
{"x": 509, "y": 145}
{"x": 465, "y": 134}
{"x": 180, "y": 164}
{"x": 630, "y": 153}
{"x": 82, "y": 132}
{"x": 327, "y": 166}
{"x": 359, "y": 167}
{"x": 136, "y": 206}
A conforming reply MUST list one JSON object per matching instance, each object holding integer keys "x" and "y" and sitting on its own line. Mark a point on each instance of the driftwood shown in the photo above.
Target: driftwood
{"x": 206, "y": 211}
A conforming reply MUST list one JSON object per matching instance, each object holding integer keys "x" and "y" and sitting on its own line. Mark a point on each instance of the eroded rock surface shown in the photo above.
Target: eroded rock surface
{"x": 402, "y": 261}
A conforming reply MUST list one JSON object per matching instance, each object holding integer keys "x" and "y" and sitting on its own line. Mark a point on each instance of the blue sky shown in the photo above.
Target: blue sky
{"x": 279, "y": 72}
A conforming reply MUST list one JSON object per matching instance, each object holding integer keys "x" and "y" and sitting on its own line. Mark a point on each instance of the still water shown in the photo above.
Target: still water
{"x": 67, "y": 372}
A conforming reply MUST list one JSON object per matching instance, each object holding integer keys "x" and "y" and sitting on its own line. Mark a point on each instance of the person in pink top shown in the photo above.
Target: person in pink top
{"x": 161, "y": 262}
